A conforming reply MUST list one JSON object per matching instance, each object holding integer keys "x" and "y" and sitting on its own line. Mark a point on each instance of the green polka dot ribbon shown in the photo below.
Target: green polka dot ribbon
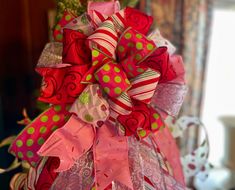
{"x": 138, "y": 47}
{"x": 29, "y": 141}
{"x": 66, "y": 18}
{"x": 113, "y": 79}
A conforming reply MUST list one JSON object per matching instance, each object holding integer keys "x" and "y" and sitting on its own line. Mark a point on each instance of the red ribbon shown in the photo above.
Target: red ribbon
{"x": 141, "y": 121}
{"x": 138, "y": 20}
{"x": 63, "y": 85}
{"x": 75, "y": 49}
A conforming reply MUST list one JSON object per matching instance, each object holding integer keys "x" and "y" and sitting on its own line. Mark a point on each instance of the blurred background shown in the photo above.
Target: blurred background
{"x": 23, "y": 34}
{"x": 203, "y": 32}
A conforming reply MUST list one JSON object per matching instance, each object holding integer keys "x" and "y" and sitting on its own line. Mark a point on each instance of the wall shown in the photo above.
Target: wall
{"x": 23, "y": 34}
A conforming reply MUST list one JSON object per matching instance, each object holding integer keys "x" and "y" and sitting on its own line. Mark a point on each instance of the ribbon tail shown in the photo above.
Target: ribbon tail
{"x": 111, "y": 159}
{"x": 168, "y": 146}
{"x": 125, "y": 177}
{"x": 69, "y": 143}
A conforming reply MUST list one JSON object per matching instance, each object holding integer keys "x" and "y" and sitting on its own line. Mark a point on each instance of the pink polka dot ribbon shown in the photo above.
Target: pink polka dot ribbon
{"x": 112, "y": 79}
{"x": 29, "y": 141}
{"x": 58, "y": 31}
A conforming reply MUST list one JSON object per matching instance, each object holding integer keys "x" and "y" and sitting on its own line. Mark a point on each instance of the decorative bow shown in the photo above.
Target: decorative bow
{"x": 127, "y": 66}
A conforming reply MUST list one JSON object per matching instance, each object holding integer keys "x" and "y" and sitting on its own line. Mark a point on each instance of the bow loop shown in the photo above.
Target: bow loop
{"x": 144, "y": 86}
{"x": 112, "y": 79}
{"x": 91, "y": 107}
{"x": 133, "y": 48}
{"x": 51, "y": 55}
{"x": 121, "y": 105}
{"x": 81, "y": 24}
{"x": 158, "y": 61}
{"x": 102, "y": 8}
{"x": 75, "y": 50}
{"x": 133, "y": 43}
{"x": 61, "y": 85}
{"x": 138, "y": 20}
{"x": 98, "y": 60}
{"x": 105, "y": 39}
{"x": 141, "y": 121}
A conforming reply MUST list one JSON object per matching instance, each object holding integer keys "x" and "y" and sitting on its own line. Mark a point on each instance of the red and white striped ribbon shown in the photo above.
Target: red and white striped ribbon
{"x": 121, "y": 105}
{"x": 144, "y": 86}
{"x": 106, "y": 38}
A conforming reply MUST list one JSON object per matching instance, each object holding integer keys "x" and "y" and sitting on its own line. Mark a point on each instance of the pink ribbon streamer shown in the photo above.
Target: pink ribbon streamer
{"x": 110, "y": 151}
{"x": 111, "y": 158}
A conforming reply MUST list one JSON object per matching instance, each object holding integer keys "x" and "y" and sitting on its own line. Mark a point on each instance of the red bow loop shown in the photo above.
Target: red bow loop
{"x": 142, "y": 121}
{"x": 138, "y": 20}
{"x": 75, "y": 50}
{"x": 61, "y": 85}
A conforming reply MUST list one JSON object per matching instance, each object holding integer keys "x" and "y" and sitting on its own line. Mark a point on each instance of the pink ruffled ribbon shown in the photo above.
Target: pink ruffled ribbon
{"x": 110, "y": 151}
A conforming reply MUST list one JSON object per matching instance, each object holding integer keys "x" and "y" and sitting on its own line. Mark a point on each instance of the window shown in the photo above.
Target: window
{"x": 220, "y": 80}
